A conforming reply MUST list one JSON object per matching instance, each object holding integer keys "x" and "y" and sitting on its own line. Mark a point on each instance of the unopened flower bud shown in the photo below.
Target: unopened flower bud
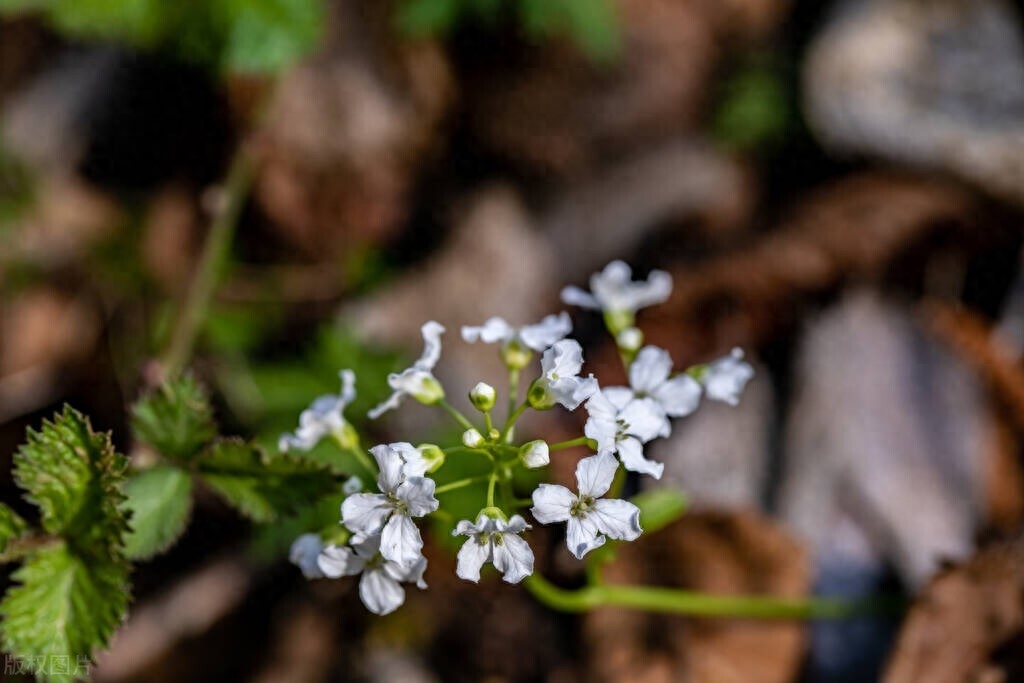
{"x": 352, "y": 485}
{"x": 471, "y": 438}
{"x": 432, "y": 455}
{"x": 483, "y": 396}
{"x": 539, "y": 395}
{"x": 535, "y": 453}
{"x": 516, "y": 355}
{"x": 630, "y": 339}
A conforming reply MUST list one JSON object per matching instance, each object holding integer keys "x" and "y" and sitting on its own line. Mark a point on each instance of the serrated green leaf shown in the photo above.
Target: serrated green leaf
{"x": 261, "y": 486}
{"x": 12, "y": 526}
{"x": 72, "y": 474}
{"x": 160, "y": 502}
{"x": 176, "y": 419}
{"x": 64, "y": 607}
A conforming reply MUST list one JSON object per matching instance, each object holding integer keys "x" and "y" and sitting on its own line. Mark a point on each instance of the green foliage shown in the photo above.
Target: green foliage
{"x": 226, "y": 35}
{"x": 261, "y": 486}
{"x": 159, "y": 501}
{"x": 176, "y": 419}
{"x": 11, "y": 526}
{"x": 270, "y": 542}
{"x": 754, "y": 110}
{"x": 590, "y": 24}
{"x": 72, "y": 474}
{"x": 659, "y": 508}
{"x": 64, "y": 606}
{"x": 72, "y": 593}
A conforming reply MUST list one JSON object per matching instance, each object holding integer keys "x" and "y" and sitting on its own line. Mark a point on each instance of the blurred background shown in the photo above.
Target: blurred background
{"x": 836, "y": 187}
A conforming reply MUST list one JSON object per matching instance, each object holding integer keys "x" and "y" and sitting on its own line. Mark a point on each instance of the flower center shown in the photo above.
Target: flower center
{"x": 582, "y": 506}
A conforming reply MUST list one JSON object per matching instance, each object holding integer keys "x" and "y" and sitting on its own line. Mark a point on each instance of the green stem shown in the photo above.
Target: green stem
{"x": 488, "y": 425}
{"x": 211, "y": 264}
{"x": 513, "y": 392}
{"x": 364, "y": 460}
{"x": 490, "y": 489}
{"x": 460, "y": 483}
{"x": 512, "y": 420}
{"x": 581, "y": 441}
{"x": 673, "y": 601}
{"x": 459, "y": 417}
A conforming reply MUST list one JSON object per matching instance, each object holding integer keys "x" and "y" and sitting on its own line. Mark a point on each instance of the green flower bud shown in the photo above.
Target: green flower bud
{"x": 483, "y": 396}
{"x": 347, "y": 437}
{"x": 433, "y": 455}
{"x": 429, "y": 391}
{"x": 471, "y": 438}
{"x": 539, "y": 397}
{"x": 516, "y": 355}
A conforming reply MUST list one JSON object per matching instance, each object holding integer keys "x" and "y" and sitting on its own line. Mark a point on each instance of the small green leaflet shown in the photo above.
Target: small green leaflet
{"x": 176, "y": 419}
{"x": 260, "y": 486}
{"x": 72, "y": 475}
{"x": 160, "y": 502}
{"x": 11, "y": 526}
{"x": 64, "y": 607}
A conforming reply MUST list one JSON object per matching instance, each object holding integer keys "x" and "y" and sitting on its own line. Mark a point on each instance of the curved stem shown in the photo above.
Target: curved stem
{"x": 363, "y": 460}
{"x": 673, "y": 601}
{"x": 581, "y": 441}
{"x": 512, "y": 420}
{"x": 459, "y": 417}
{"x": 211, "y": 264}
{"x": 460, "y": 483}
{"x": 490, "y": 489}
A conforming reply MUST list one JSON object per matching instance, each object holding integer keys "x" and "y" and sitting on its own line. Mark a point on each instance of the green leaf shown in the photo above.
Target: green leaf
{"x": 63, "y": 608}
{"x": 12, "y": 526}
{"x": 260, "y": 486}
{"x": 72, "y": 475}
{"x": 269, "y": 35}
{"x": 659, "y": 508}
{"x": 428, "y": 17}
{"x": 176, "y": 419}
{"x": 160, "y": 501}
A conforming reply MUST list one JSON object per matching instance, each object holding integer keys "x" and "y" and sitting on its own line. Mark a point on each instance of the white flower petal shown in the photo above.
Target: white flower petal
{"x": 574, "y": 296}
{"x": 657, "y": 289}
{"x": 581, "y": 536}
{"x": 618, "y": 519}
{"x": 304, "y": 553}
{"x": 495, "y": 329}
{"x": 365, "y": 513}
{"x": 348, "y": 386}
{"x": 594, "y": 474}
{"x": 551, "y": 503}
{"x": 513, "y": 557}
{"x": 380, "y": 593}
{"x": 679, "y": 396}
{"x": 352, "y": 485}
{"x": 544, "y": 334}
{"x": 649, "y": 369}
{"x": 432, "y": 332}
{"x": 390, "y": 464}
{"x": 727, "y": 376}
{"x": 413, "y": 462}
{"x": 410, "y": 574}
{"x": 468, "y": 528}
{"x": 515, "y": 525}
{"x": 570, "y": 392}
{"x": 400, "y": 540}
{"x": 631, "y": 452}
{"x": 645, "y": 418}
{"x": 471, "y": 558}
{"x": 391, "y": 403}
{"x": 335, "y": 561}
{"x": 563, "y": 359}
{"x": 418, "y": 495}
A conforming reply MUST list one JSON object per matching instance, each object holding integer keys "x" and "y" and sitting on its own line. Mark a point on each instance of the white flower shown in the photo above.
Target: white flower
{"x": 483, "y": 397}
{"x": 304, "y": 552}
{"x": 472, "y": 438}
{"x": 322, "y": 418}
{"x": 649, "y": 377}
{"x": 621, "y": 423}
{"x": 590, "y": 518}
{"x": 493, "y": 540}
{"x": 417, "y": 381}
{"x": 725, "y": 378}
{"x": 613, "y": 291}
{"x": 390, "y": 513}
{"x": 535, "y": 454}
{"x": 380, "y": 588}
{"x": 537, "y": 337}
{"x": 559, "y": 382}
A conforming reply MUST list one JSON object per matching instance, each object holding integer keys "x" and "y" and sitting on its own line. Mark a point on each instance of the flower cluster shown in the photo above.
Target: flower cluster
{"x": 380, "y": 539}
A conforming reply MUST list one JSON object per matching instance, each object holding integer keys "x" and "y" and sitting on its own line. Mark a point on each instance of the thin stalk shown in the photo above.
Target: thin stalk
{"x": 512, "y": 420}
{"x": 460, "y": 483}
{"x": 490, "y": 489}
{"x": 673, "y": 601}
{"x": 211, "y": 264}
{"x": 513, "y": 392}
{"x": 581, "y": 441}
{"x": 453, "y": 411}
